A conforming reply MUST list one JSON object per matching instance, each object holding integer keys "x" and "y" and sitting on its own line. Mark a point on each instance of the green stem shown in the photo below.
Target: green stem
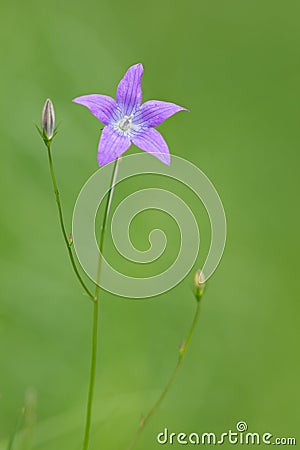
{"x": 16, "y": 430}
{"x": 62, "y": 225}
{"x": 182, "y": 352}
{"x": 95, "y": 312}
{"x": 104, "y": 223}
{"x": 92, "y": 377}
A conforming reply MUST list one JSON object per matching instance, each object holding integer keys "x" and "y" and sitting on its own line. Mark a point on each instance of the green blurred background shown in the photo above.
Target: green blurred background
{"x": 235, "y": 65}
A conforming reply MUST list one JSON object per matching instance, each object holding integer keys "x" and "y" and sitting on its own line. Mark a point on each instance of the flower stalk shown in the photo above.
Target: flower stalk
{"x": 47, "y": 133}
{"x": 199, "y": 291}
{"x": 67, "y": 240}
{"x": 87, "y": 431}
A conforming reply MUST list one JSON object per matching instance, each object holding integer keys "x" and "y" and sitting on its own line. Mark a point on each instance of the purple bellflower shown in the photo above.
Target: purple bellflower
{"x": 129, "y": 121}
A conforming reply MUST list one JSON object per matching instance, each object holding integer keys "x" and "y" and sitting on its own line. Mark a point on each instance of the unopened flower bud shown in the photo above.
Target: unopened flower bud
{"x": 48, "y": 120}
{"x": 199, "y": 282}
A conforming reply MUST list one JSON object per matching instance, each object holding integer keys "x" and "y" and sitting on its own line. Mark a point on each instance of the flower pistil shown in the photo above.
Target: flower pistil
{"x": 125, "y": 123}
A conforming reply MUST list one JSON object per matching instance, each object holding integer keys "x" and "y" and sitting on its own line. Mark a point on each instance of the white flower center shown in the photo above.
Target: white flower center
{"x": 125, "y": 123}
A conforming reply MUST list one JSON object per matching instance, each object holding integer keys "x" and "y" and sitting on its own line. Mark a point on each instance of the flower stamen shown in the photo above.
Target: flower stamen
{"x": 125, "y": 123}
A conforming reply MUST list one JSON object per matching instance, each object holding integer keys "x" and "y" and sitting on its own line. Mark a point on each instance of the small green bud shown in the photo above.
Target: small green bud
{"x": 199, "y": 283}
{"x": 48, "y": 120}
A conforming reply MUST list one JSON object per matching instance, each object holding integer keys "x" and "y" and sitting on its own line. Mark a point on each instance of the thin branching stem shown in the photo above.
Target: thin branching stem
{"x": 96, "y": 312}
{"x": 182, "y": 351}
{"x": 62, "y": 225}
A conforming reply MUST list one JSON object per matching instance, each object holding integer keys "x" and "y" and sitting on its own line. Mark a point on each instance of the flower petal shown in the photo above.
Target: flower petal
{"x": 152, "y": 142}
{"x": 129, "y": 91}
{"x": 154, "y": 112}
{"x": 102, "y": 106}
{"x": 111, "y": 146}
